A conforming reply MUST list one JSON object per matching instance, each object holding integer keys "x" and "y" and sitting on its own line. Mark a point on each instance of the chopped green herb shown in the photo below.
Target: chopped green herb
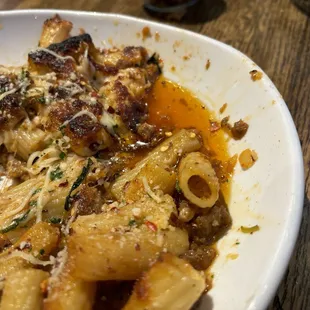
{"x": 38, "y": 190}
{"x": 56, "y": 174}
{"x": 77, "y": 183}
{"x": 33, "y": 203}
{"x": 15, "y": 222}
{"x": 115, "y": 128}
{"x": 62, "y": 155}
{"x": 237, "y": 243}
{"x": 42, "y": 251}
{"x": 61, "y": 128}
{"x": 42, "y": 100}
{"x": 55, "y": 220}
{"x": 132, "y": 223}
{"x": 177, "y": 187}
{"x": 24, "y": 74}
{"x": 249, "y": 230}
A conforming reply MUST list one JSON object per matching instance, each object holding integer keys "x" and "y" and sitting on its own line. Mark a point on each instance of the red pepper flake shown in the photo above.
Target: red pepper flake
{"x": 63, "y": 184}
{"x": 151, "y": 226}
{"x": 94, "y": 94}
{"x": 214, "y": 126}
{"x": 137, "y": 247}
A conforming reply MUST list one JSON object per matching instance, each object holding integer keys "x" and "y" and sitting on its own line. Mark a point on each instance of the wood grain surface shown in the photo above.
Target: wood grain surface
{"x": 276, "y": 35}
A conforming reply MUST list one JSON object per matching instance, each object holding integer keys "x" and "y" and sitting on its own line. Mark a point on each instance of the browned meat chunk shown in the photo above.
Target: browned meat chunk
{"x": 88, "y": 200}
{"x": 74, "y": 46}
{"x": 87, "y": 137}
{"x": 126, "y": 93}
{"x": 200, "y": 257}
{"x": 239, "y": 129}
{"x": 64, "y": 111}
{"x": 207, "y": 228}
{"x": 43, "y": 62}
{"x": 11, "y": 111}
{"x": 109, "y": 61}
{"x": 54, "y": 30}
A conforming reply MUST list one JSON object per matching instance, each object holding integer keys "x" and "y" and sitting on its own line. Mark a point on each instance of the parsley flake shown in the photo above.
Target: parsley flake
{"x": 56, "y": 174}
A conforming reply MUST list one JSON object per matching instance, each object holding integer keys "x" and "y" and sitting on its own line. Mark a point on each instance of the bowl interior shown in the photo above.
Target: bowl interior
{"x": 270, "y": 194}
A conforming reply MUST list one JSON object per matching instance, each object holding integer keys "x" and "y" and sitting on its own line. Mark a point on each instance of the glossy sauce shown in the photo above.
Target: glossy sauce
{"x": 173, "y": 107}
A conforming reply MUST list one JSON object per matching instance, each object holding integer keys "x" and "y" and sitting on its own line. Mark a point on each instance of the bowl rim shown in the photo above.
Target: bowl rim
{"x": 285, "y": 249}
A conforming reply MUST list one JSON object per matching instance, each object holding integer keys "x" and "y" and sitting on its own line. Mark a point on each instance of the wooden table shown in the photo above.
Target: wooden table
{"x": 276, "y": 35}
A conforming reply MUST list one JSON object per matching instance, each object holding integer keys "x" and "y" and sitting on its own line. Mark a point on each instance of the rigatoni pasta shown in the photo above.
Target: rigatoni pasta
{"x": 22, "y": 290}
{"x": 110, "y": 179}
{"x": 171, "y": 283}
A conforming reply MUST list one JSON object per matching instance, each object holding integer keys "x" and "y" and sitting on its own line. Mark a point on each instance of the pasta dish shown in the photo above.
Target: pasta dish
{"x": 114, "y": 180}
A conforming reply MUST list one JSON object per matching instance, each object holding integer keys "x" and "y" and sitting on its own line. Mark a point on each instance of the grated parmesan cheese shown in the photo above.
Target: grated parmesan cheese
{"x": 39, "y": 201}
{"x": 30, "y": 258}
{"x": 62, "y": 58}
{"x": 149, "y": 191}
{"x": 83, "y": 112}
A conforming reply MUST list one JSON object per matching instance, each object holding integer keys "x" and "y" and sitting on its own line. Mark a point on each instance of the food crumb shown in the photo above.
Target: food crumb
{"x": 214, "y": 126}
{"x": 223, "y": 108}
{"x": 157, "y": 36}
{"x": 249, "y": 230}
{"x": 273, "y": 102}
{"x": 168, "y": 133}
{"x": 173, "y": 68}
{"x": 247, "y": 159}
{"x": 192, "y": 135}
{"x": 146, "y": 33}
{"x": 208, "y": 64}
{"x": 232, "y": 256}
{"x": 138, "y": 34}
{"x": 82, "y": 30}
{"x": 256, "y": 75}
{"x": 187, "y": 57}
{"x": 164, "y": 148}
{"x": 176, "y": 44}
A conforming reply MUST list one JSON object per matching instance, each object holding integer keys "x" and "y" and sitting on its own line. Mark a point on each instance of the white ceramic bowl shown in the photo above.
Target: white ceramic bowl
{"x": 269, "y": 194}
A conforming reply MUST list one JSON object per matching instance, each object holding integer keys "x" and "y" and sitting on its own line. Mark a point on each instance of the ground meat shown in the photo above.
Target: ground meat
{"x": 146, "y": 131}
{"x": 87, "y": 201}
{"x": 200, "y": 257}
{"x": 239, "y": 129}
{"x": 207, "y": 228}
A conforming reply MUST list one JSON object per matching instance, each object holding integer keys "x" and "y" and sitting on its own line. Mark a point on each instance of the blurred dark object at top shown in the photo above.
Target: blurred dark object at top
{"x": 187, "y": 11}
{"x": 303, "y": 5}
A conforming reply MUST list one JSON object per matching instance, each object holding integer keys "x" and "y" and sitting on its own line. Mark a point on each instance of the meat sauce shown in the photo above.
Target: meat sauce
{"x": 172, "y": 107}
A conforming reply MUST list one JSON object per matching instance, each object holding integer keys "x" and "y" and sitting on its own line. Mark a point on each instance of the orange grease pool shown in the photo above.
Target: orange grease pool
{"x": 172, "y": 106}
